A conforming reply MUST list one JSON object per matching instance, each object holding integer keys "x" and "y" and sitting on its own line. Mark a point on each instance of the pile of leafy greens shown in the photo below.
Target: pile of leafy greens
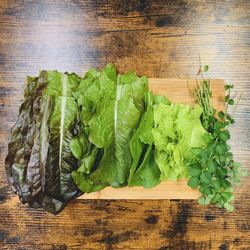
{"x": 78, "y": 135}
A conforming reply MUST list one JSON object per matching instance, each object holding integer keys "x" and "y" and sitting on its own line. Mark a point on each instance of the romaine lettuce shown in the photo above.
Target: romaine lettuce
{"x": 110, "y": 109}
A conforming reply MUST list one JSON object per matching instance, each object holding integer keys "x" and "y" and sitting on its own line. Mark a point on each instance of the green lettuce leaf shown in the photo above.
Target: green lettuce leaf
{"x": 148, "y": 173}
{"x": 177, "y": 129}
{"x": 144, "y": 171}
{"x": 111, "y": 107}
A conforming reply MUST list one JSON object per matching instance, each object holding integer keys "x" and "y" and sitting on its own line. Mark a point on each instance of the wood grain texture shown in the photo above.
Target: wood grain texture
{"x": 165, "y": 190}
{"x": 157, "y": 38}
{"x": 178, "y": 91}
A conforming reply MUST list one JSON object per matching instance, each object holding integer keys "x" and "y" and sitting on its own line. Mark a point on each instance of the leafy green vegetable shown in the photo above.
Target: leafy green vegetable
{"x": 213, "y": 168}
{"x": 144, "y": 170}
{"x": 177, "y": 129}
{"x": 148, "y": 173}
{"x": 61, "y": 125}
{"x": 111, "y": 107}
{"x": 22, "y": 143}
{"x": 39, "y": 162}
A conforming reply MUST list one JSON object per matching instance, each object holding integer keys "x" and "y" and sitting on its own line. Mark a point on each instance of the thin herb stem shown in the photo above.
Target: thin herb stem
{"x": 238, "y": 100}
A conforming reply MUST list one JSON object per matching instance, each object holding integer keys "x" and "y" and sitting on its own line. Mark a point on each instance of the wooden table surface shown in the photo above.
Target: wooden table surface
{"x": 155, "y": 38}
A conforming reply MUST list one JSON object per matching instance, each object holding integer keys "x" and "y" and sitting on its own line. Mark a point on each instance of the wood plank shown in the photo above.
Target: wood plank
{"x": 165, "y": 190}
{"x": 178, "y": 91}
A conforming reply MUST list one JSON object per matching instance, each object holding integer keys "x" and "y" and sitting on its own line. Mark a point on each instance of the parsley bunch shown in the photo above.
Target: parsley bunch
{"x": 213, "y": 169}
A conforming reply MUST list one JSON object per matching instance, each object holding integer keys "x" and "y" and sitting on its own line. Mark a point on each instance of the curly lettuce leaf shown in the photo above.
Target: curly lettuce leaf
{"x": 177, "y": 129}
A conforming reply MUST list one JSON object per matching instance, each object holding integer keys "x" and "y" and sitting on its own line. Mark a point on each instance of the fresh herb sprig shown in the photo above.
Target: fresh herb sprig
{"x": 213, "y": 169}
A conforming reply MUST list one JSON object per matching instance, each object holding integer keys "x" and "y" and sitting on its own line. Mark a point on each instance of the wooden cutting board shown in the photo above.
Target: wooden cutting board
{"x": 178, "y": 91}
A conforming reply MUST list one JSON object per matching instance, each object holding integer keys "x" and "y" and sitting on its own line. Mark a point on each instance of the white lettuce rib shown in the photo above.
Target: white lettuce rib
{"x": 63, "y": 106}
{"x": 117, "y": 98}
